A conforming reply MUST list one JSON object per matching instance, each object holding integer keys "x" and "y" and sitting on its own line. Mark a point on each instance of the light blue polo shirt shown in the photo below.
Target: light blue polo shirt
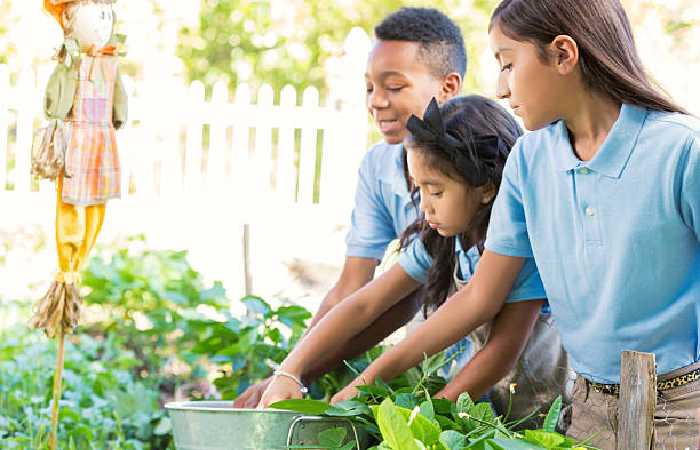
{"x": 616, "y": 239}
{"x": 383, "y": 206}
{"x": 416, "y": 261}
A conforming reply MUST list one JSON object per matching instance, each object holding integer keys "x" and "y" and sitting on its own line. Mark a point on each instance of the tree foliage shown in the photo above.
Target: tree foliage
{"x": 288, "y": 42}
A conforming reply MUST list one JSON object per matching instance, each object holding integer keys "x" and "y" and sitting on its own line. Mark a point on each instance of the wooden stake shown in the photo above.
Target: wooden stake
{"x": 248, "y": 280}
{"x": 637, "y": 401}
{"x": 58, "y": 376}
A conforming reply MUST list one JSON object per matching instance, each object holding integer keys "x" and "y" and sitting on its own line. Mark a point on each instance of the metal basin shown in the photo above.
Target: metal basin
{"x": 218, "y": 426}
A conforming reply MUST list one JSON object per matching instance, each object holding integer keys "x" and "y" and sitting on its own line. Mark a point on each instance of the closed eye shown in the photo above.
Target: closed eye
{"x": 507, "y": 67}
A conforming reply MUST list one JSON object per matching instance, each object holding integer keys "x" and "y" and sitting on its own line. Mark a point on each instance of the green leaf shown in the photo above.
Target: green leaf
{"x": 550, "y": 422}
{"x": 292, "y": 315}
{"x": 453, "y": 440}
{"x": 257, "y": 305}
{"x": 426, "y": 409}
{"x": 406, "y": 400}
{"x": 348, "y": 408}
{"x": 312, "y": 407}
{"x": 513, "y": 444}
{"x": 332, "y": 438}
{"x": 164, "y": 426}
{"x": 545, "y": 439}
{"x": 394, "y": 427}
{"x": 422, "y": 428}
{"x": 464, "y": 403}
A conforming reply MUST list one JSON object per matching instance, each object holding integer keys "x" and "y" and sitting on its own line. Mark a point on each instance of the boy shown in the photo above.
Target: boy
{"x": 419, "y": 54}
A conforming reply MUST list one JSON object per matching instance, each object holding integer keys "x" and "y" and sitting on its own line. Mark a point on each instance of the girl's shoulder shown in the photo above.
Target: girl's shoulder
{"x": 537, "y": 149}
{"x": 672, "y": 124}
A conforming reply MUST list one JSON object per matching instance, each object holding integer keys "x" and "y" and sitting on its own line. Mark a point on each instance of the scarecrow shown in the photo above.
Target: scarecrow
{"x": 84, "y": 103}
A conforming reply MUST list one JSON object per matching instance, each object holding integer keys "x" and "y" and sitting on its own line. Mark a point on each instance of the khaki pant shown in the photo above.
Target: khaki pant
{"x": 675, "y": 428}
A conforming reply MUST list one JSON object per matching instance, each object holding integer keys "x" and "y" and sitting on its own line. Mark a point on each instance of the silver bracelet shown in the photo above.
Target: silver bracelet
{"x": 303, "y": 389}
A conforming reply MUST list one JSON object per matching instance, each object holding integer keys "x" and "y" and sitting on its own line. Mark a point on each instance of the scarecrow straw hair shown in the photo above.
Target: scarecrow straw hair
{"x": 59, "y": 310}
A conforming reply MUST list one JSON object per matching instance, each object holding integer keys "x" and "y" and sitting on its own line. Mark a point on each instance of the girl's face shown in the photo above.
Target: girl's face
{"x": 535, "y": 89}
{"x": 448, "y": 205}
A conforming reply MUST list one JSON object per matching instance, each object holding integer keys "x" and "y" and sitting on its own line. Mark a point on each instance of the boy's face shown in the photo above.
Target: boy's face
{"x": 399, "y": 85}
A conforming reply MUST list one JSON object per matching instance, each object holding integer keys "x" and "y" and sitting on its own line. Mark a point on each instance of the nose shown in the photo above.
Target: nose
{"x": 377, "y": 99}
{"x": 425, "y": 206}
{"x": 503, "y": 91}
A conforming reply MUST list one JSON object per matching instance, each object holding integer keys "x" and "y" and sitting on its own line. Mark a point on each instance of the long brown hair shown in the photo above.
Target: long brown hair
{"x": 470, "y": 122}
{"x": 608, "y": 59}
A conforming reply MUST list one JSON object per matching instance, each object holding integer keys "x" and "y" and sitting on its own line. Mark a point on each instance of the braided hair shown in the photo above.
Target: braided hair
{"x": 468, "y": 139}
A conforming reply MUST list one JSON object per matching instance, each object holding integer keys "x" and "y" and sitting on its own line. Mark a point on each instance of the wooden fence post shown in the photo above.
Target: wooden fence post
{"x": 637, "y": 401}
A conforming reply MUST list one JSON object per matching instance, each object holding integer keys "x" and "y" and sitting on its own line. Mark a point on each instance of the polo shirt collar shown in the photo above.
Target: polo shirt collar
{"x": 612, "y": 157}
{"x": 398, "y": 179}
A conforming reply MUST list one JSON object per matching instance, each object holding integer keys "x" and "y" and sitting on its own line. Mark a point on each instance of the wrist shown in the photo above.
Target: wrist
{"x": 281, "y": 374}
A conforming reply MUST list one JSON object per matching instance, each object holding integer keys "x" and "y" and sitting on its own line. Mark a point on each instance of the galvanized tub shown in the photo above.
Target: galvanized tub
{"x": 218, "y": 426}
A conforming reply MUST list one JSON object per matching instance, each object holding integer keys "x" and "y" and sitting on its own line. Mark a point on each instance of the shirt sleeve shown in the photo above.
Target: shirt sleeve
{"x": 690, "y": 188}
{"x": 415, "y": 260}
{"x": 371, "y": 227}
{"x": 507, "y": 233}
{"x": 528, "y": 285}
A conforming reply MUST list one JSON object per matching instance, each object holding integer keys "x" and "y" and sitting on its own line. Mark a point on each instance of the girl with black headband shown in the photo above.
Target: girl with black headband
{"x": 455, "y": 158}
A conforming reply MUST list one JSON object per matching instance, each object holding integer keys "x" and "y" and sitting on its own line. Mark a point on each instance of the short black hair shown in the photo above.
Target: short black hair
{"x": 442, "y": 44}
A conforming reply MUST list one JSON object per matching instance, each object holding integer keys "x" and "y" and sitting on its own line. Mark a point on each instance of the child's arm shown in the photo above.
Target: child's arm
{"x": 337, "y": 327}
{"x": 509, "y": 334}
{"x": 468, "y": 308}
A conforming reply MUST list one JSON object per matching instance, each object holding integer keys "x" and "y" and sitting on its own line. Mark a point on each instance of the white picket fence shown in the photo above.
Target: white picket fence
{"x": 197, "y": 170}
{"x": 177, "y": 142}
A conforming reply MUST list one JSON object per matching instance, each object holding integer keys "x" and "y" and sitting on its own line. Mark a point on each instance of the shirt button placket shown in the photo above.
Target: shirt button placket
{"x": 586, "y": 184}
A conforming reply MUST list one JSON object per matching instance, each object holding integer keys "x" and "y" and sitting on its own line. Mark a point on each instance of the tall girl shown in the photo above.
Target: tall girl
{"x": 605, "y": 195}
{"x": 455, "y": 158}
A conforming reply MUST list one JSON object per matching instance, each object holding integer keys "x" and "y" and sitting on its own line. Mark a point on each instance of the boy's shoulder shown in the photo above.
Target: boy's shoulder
{"x": 382, "y": 156}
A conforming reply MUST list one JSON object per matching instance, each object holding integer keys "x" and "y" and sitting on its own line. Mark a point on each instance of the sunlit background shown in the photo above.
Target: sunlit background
{"x": 247, "y": 125}
{"x": 207, "y": 152}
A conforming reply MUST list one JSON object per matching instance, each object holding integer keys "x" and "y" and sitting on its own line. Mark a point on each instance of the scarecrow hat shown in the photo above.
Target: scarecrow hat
{"x": 56, "y": 7}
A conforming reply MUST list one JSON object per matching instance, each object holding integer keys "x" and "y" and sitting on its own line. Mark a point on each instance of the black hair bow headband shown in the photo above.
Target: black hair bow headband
{"x": 475, "y": 157}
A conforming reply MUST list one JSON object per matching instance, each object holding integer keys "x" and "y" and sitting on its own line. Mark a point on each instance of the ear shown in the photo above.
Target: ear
{"x": 487, "y": 193}
{"x": 451, "y": 86}
{"x": 565, "y": 54}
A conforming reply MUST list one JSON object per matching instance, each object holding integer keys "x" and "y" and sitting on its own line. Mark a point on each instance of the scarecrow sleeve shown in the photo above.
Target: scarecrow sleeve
{"x": 120, "y": 106}
{"x": 60, "y": 90}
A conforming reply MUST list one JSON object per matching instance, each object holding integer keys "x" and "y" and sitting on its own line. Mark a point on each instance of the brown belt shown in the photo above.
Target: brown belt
{"x": 661, "y": 385}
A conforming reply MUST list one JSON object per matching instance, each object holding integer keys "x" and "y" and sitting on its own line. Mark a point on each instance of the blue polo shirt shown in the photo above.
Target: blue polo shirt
{"x": 616, "y": 239}
{"x": 383, "y": 206}
{"x": 416, "y": 261}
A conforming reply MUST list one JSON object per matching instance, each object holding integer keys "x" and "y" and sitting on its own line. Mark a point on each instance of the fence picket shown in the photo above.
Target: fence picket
{"x": 263, "y": 142}
{"x": 307, "y": 151}
{"x": 240, "y": 151}
{"x": 4, "y": 123}
{"x": 216, "y": 153}
{"x": 25, "y": 130}
{"x": 286, "y": 180}
{"x": 193, "y": 138}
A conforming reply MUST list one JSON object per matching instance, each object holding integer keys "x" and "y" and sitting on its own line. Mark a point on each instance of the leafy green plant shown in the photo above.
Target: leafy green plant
{"x": 104, "y": 406}
{"x": 146, "y": 300}
{"x": 248, "y": 346}
{"x": 402, "y": 415}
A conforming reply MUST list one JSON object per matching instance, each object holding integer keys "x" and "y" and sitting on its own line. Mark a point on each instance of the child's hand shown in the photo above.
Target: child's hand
{"x": 251, "y": 397}
{"x": 349, "y": 391}
{"x": 280, "y": 388}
